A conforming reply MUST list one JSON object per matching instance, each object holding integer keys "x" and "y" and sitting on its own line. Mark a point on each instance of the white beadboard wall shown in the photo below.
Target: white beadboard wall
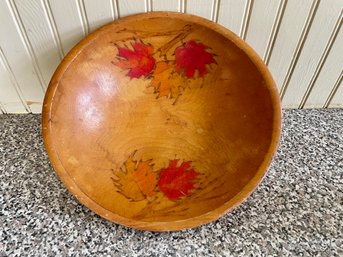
{"x": 300, "y": 40}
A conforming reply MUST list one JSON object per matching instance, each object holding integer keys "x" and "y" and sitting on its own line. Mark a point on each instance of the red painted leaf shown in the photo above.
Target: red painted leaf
{"x": 192, "y": 56}
{"x": 140, "y": 61}
{"x": 176, "y": 182}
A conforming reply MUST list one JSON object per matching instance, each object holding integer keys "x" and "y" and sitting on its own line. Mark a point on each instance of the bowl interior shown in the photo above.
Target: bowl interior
{"x": 158, "y": 119}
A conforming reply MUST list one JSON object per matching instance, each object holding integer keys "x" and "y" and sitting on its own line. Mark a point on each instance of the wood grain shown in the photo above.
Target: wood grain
{"x": 153, "y": 160}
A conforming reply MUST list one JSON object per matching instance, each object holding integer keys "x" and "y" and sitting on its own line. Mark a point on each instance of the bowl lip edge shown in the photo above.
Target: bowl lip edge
{"x": 196, "y": 221}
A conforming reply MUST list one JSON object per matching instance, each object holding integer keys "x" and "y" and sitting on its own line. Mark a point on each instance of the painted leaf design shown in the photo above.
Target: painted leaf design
{"x": 192, "y": 56}
{"x": 167, "y": 82}
{"x": 138, "y": 61}
{"x": 175, "y": 181}
{"x": 136, "y": 179}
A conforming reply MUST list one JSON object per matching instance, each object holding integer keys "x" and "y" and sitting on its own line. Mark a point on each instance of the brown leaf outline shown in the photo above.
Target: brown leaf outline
{"x": 166, "y": 81}
{"x": 136, "y": 180}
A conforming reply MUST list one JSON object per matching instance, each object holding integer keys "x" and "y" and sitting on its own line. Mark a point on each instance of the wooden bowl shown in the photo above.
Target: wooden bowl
{"x": 161, "y": 121}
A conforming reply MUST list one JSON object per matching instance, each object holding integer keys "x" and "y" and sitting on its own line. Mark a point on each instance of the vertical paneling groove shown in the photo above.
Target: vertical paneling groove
{"x": 83, "y": 16}
{"x": 98, "y": 13}
{"x": 118, "y": 9}
{"x": 15, "y": 84}
{"x": 53, "y": 27}
{"x": 275, "y": 30}
{"x": 27, "y": 44}
{"x": 299, "y": 47}
{"x": 131, "y": 7}
{"x": 230, "y": 13}
{"x": 246, "y": 18}
{"x": 202, "y": 8}
{"x": 181, "y": 7}
{"x": 215, "y": 10}
{"x": 261, "y": 21}
{"x": 115, "y": 11}
{"x": 295, "y": 62}
{"x": 322, "y": 60}
{"x": 68, "y": 22}
{"x": 2, "y": 110}
{"x": 334, "y": 90}
{"x": 148, "y": 5}
{"x": 170, "y": 6}
{"x": 184, "y": 6}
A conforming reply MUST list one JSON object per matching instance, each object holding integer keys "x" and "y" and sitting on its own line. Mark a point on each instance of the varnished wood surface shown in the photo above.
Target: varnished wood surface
{"x": 116, "y": 139}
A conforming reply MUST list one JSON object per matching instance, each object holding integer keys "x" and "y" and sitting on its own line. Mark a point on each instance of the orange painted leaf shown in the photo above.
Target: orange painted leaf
{"x": 192, "y": 56}
{"x": 175, "y": 181}
{"x": 136, "y": 179}
{"x": 138, "y": 61}
{"x": 167, "y": 82}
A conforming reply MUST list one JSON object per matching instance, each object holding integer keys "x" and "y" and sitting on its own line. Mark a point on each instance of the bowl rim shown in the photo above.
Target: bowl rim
{"x": 204, "y": 218}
